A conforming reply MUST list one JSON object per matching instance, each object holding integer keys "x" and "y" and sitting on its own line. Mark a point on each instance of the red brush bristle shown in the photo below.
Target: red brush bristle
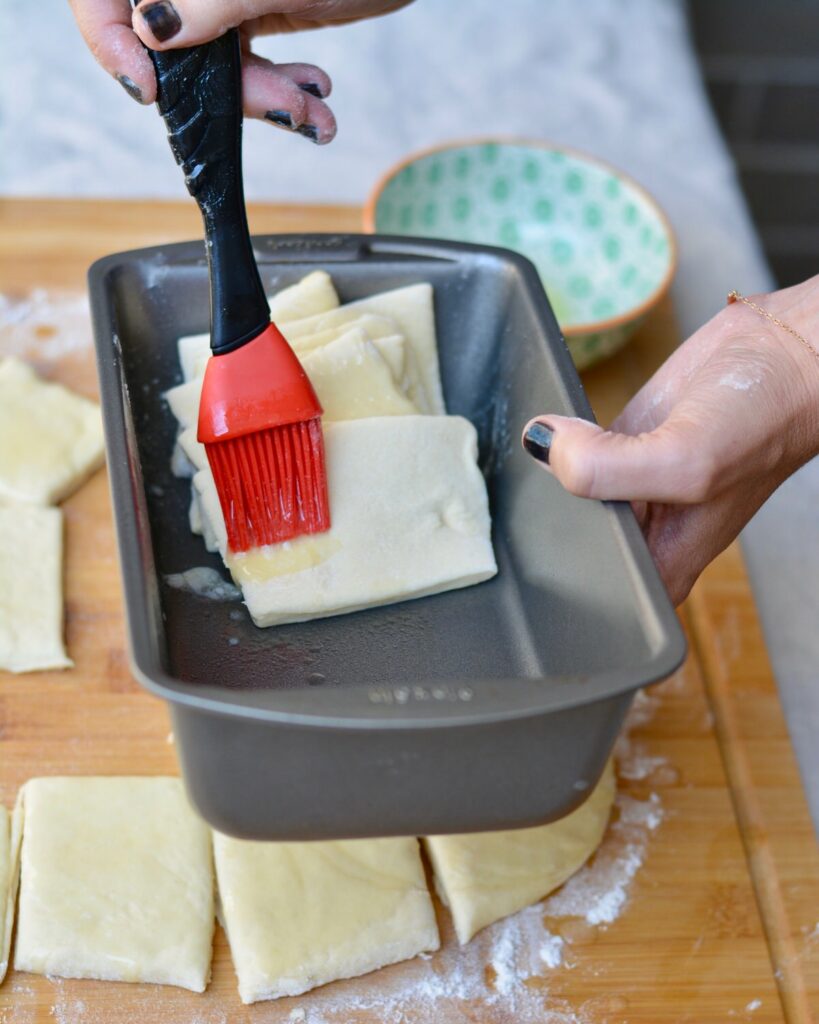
{"x": 272, "y": 484}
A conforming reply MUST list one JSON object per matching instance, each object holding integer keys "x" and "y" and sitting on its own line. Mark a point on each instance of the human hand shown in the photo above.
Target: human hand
{"x": 731, "y": 415}
{"x": 288, "y": 95}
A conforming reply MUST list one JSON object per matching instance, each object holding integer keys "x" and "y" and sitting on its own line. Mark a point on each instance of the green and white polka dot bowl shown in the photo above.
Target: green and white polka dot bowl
{"x": 603, "y": 247}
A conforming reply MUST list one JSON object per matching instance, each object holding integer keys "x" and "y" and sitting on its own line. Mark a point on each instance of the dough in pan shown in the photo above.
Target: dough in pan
{"x": 412, "y": 310}
{"x": 50, "y": 438}
{"x": 484, "y": 876}
{"x": 31, "y": 591}
{"x": 410, "y": 518}
{"x": 116, "y": 882}
{"x": 351, "y": 378}
{"x": 404, "y": 311}
{"x": 313, "y": 294}
{"x": 299, "y": 915}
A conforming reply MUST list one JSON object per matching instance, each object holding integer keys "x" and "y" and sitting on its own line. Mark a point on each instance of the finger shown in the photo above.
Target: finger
{"x": 271, "y": 94}
{"x": 166, "y": 24}
{"x": 169, "y": 23}
{"x": 309, "y": 78}
{"x": 665, "y": 465}
{"x": 106, "y": 28}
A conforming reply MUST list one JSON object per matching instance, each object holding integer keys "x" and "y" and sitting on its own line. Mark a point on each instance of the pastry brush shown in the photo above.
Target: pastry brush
{"x": 259, "y": 417}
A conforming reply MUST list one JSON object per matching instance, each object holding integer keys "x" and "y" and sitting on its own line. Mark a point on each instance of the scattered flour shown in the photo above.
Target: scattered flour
{"x": 551, "y": 951}
{"x": 45, "y": 325}
{"x": 205, "y": 582}
{"x": 753, "y": 1005}
{"x": 739, "y": 382}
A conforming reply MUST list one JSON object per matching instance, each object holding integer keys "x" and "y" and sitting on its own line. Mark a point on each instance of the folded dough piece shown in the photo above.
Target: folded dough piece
{"x": 412, "y": 310}
{"x": 10, "y": 835}
{"x": 313, "y": 294}
{"x": 299, "y": 915}
{"x": 410, "y": 517}
{"x": 351, "y": 378}
{"x": 194, "y": 352}
{"x": 50, "y": 438}
{"x": 484, "y": 876}
{"x": 31, "y": 589}
{"x": 116, "y": 882}
{"x": 183, "y": 400}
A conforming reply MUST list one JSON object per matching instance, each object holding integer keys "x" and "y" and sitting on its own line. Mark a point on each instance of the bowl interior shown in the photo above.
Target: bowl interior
{"x": 600, "y": 245}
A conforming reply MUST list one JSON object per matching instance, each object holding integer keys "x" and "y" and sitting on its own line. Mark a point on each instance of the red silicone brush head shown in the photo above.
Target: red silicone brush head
{"x": 260, "y": 422}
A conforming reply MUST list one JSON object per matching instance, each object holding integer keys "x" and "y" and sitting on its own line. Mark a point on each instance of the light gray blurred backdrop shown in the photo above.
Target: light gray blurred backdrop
{"x": 617, "y": 78}
{"x": 614, "y": 77}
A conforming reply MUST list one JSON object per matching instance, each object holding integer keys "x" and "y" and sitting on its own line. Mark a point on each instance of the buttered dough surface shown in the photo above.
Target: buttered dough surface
{"x": 484, "y": 876}
{"x": 31, "y": 594}
{"x": 299, "y": 915}
{"x": 410, "y": 517}
{"x": 116, "y": 882}
{"x": 50, "y": 438}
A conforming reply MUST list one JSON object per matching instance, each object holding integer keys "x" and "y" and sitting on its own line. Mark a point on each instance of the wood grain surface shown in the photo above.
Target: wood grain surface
{"x": 720, "y": 922}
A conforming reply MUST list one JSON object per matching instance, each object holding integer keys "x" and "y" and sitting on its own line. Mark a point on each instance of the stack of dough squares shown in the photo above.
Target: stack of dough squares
{"x": 408, "y": 504}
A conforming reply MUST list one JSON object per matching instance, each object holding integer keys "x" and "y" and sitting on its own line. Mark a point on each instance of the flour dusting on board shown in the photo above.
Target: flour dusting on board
{"x": 45, "y": 325}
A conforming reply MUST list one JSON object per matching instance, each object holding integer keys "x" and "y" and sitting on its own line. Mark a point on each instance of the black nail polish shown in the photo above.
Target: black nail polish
{"x": 309, "y": 131}
{"x": 279, "y": 117}
{"x": 538, "y": 440}
{"x": 130, "y": 86}
{"x": 312, "y": 88}
{"x": 162, "y": 19}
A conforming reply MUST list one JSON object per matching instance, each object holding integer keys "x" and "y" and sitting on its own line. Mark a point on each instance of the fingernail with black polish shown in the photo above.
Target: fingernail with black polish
{"x": 162, "y": 19}
{"x": 312, "y": 88}
{"x": 538, "y": 441}
{"x": 309, "y": 131}
{"x": 130, "y": 86}
{"x": 280, "y": 117}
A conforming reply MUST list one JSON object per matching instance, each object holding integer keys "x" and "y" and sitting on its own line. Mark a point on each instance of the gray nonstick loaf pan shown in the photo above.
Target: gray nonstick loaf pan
{"x": 490, "y": 707}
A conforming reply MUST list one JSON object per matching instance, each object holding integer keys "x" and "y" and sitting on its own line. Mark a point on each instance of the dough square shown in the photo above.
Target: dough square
{"x": 299, "y": 915}
{"x": 410, "y": 517}
{"x": 10, "y": 834}
{"x": 50, "y": 438}
{"x": 313, "y": 294}
{"x": 411, "y": 310}
{"x": 31, "y": 589}
{"x": 484, "y": 876}
{"x": 116, "y": 882}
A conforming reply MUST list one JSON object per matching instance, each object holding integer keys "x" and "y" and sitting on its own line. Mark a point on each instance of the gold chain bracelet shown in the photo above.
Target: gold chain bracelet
{"x": 736, "y": 296}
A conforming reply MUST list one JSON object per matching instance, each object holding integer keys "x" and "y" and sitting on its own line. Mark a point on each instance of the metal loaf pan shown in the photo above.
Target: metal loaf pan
{"x": 490, "y": 707}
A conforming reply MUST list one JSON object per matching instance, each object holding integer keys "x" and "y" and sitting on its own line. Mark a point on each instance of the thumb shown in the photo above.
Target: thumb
{"x": 665, "y": 465}
{"x": 163, "y": 24}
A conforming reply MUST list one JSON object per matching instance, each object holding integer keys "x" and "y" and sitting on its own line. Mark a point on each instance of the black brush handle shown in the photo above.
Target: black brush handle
{"x": 199, "y": 94}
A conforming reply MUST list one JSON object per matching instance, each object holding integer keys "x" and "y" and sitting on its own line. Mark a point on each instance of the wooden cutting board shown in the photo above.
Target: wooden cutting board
{"x": 718, "y": 922}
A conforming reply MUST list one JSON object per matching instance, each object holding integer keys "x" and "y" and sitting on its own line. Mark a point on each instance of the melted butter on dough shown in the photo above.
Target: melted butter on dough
{"x": 293, "y": 556}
